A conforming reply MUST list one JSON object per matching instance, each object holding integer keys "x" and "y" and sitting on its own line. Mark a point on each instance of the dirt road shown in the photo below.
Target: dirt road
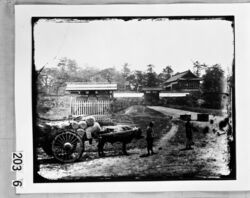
{"x": 212, "y": 151}
{"x": 174, "y": 112}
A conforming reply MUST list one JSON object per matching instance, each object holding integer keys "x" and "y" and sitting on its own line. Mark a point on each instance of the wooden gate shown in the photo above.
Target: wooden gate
{"x": 80, "y": 106}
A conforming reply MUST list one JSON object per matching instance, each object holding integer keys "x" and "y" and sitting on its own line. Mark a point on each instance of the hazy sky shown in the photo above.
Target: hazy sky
{"x": 112, "y": 43}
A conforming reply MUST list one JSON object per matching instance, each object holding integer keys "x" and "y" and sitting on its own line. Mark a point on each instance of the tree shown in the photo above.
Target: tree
{"x": 51, "y": 79}
{"x": 212, "y": 86}
{"x": 46, "y": 80}
{"x": 89, "y": 74}
{"x": 137, "y": 80}
{"x": 165, "y": 74}
{"x": 125, "y": 71}
{"x": 151, "y": 77}
{"x": 140, "y": 78}
{"x": 62, "y": 76}
{"x": 131, "y": 82}
{"x": 108, "y": 74}
{"x": 198, "y": 67}
{"x": 150, "y": 68}
{"x": 168, "y": 71}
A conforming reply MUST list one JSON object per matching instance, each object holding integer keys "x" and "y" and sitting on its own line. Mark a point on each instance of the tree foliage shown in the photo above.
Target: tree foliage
{"x": 52, "y": 80}
{"x": 151, "y": 77}
{"x": 198, "y": 67}
{"x": 213, "y": 86}
{"x": 126, "y": 71}
{"x": 166, "y": 73}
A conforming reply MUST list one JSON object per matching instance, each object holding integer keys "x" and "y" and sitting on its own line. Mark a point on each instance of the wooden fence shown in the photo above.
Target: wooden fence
{"x": 89, "y": 107}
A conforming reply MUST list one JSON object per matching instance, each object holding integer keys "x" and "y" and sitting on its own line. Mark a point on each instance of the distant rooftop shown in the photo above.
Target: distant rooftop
{"x": 179, "y": 76}
{"x": 85, "y": 86}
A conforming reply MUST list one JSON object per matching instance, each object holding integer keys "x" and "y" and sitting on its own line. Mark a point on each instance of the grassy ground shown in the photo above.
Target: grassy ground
{"x": 208, "y": 159}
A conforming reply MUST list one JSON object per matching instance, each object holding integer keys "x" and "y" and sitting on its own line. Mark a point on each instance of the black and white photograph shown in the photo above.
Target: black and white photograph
{"x": 131, "y": 98}
{"x": 145, "y": 98}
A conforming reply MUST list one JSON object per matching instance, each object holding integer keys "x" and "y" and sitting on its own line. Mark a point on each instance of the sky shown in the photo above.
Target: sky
{"x": 112, "y": 43}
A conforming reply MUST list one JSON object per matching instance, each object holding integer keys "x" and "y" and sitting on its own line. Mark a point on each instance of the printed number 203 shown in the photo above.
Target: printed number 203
{"x": 17, "y": 162}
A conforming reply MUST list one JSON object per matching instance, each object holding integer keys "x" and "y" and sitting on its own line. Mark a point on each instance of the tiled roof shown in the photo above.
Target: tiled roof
{"x": 177, "y": 76}
{"x": 81, "y": 86}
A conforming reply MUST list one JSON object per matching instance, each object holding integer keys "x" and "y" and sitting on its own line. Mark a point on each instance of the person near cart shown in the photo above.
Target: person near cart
{"x": 150, "y": 138}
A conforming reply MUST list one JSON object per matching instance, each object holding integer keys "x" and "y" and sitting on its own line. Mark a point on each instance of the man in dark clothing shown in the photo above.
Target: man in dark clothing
{"x": 149, "y": 138}
{"x": 189, "y": 134}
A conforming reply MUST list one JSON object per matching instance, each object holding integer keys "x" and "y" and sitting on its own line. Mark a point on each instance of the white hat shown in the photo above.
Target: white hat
{"x": 90, "y": 120}
{"x": 83, "y": 124}
{"x": 74, "y": 125}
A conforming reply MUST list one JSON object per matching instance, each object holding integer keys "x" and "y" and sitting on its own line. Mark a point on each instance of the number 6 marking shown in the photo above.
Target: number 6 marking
{"x": 17, "y": 183}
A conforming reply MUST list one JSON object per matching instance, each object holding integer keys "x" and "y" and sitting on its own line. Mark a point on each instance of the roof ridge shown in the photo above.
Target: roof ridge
{"x": 181, "y": 72}
{"x": 91, "y": 83}
{"x": 177, "y": 76}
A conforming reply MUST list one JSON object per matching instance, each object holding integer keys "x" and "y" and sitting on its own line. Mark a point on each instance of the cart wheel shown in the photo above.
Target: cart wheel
{"x": 67, "y": 147}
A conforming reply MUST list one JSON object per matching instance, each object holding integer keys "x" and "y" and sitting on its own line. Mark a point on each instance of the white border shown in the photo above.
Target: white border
{"x": 23, "y": 93}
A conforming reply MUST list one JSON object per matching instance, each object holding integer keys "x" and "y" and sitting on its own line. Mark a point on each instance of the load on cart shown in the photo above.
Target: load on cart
{"x": 65, "y": 140}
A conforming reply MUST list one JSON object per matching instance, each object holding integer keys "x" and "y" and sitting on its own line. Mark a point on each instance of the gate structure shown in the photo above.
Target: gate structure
{"x": 90, "y": 98}
{"x": 80, "y": 106}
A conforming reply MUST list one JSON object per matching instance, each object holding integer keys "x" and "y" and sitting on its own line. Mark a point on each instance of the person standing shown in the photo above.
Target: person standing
{"x": 150, "y": 138}
{"x": 189, "y": 134}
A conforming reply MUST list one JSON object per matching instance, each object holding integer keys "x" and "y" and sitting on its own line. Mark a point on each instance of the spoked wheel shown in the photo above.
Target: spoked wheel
{"x": 67, "y": 147}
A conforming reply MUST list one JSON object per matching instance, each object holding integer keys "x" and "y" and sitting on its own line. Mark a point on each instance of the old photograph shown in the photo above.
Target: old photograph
{"x": 133, "y": 98}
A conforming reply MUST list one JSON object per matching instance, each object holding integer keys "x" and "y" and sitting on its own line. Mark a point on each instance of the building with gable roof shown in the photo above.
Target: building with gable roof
{"x": 183, "y": 82}
{"x": 91, "y": 90}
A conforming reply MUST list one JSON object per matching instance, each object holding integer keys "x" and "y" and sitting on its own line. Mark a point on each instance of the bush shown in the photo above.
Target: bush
{"x": 191, "y": 100}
